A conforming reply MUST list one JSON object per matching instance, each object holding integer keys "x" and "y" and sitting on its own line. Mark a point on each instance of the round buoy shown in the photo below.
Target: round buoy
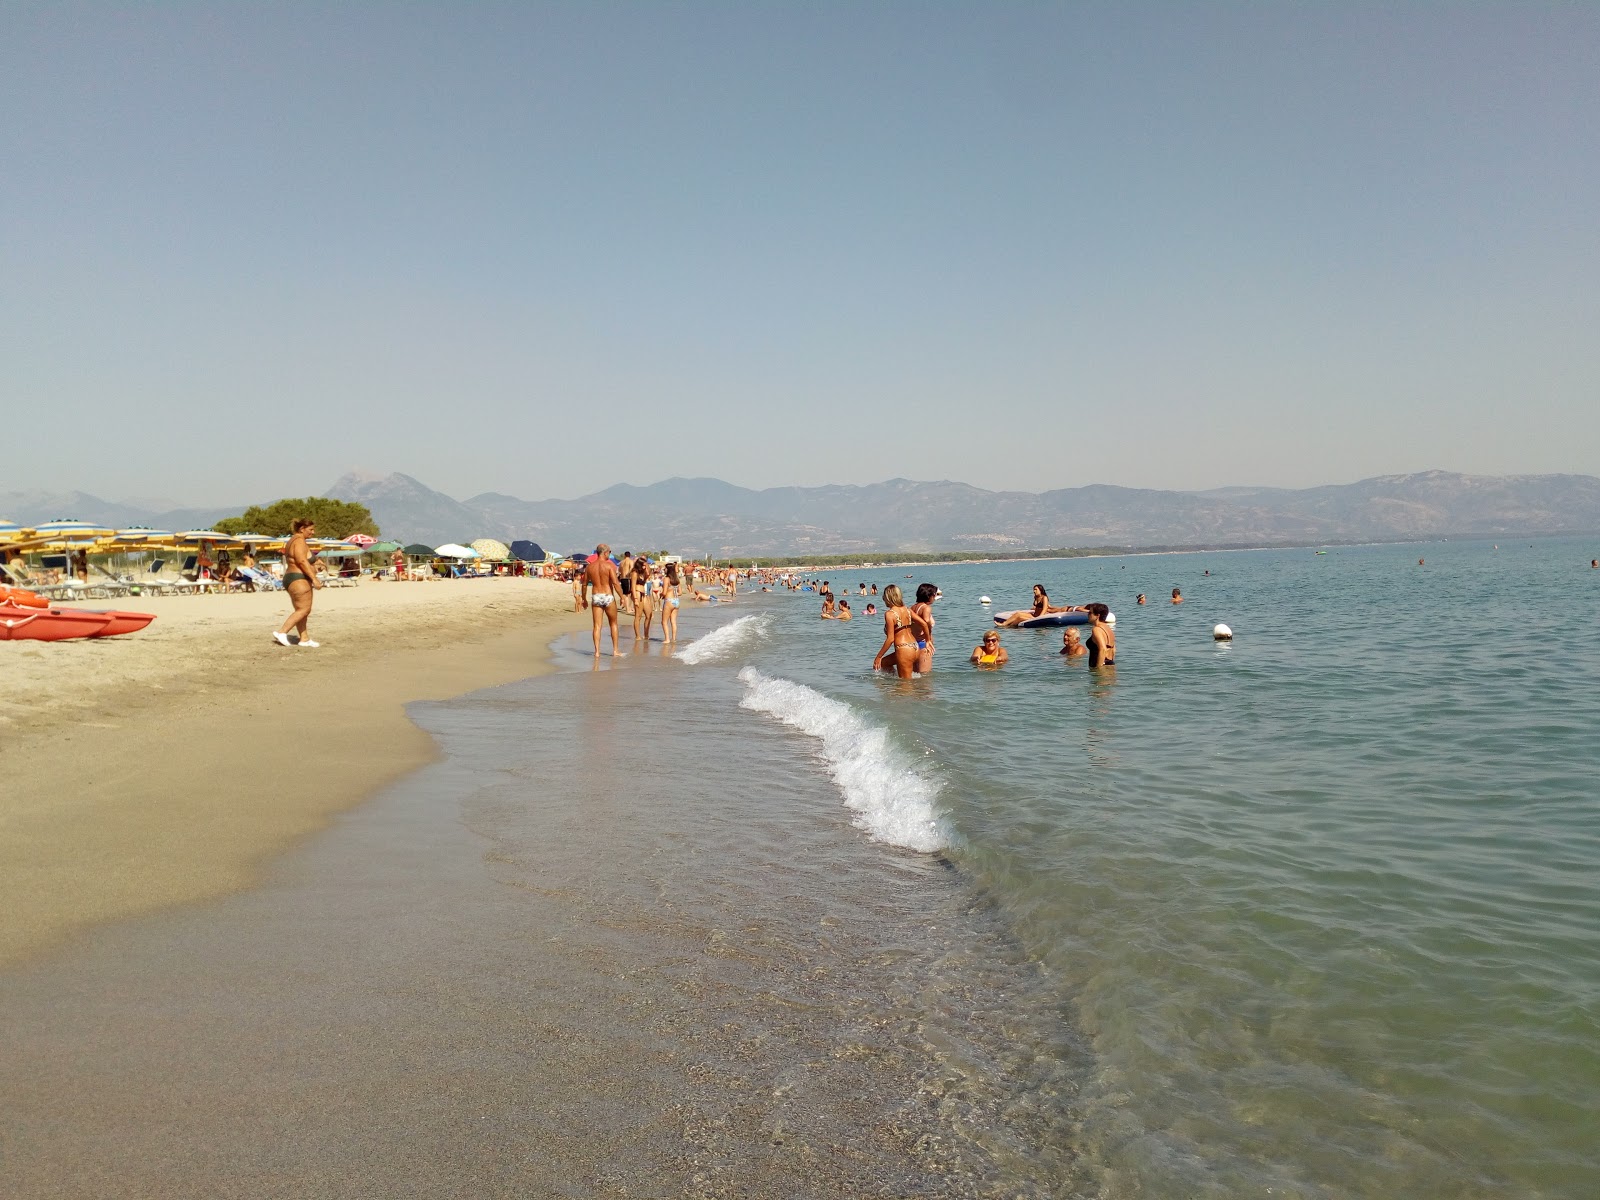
{"x": 1222, "y": 633}
{"x": 984, "y": 600}
{"x": 1111, "y": 619}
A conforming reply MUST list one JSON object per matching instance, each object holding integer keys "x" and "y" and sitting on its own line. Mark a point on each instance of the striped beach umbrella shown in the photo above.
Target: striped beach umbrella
{"x": 139, "y": 534}
{"x": 205, "y": 535}
{"x": 72, "y": 529}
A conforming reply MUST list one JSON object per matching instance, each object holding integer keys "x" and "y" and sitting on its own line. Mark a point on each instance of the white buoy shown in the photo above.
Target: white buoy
{"x": 984, "y": 600}
{"x": 1111, "y": 620}
{"x": 1222, "y": 633}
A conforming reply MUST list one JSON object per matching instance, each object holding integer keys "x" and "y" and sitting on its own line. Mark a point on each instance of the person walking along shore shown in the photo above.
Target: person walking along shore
{"x": 600, "y": 574}
{"x": 299, "y": 580}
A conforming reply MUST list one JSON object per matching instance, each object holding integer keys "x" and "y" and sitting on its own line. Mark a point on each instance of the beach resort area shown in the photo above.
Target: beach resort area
{"x": 127, "y": 757}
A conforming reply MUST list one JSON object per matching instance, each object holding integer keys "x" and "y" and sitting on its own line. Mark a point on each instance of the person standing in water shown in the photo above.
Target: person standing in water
{"x": 625, "y": 581}
{"x": 644, "y": 603}
{"x": 1177, "y": 596}
{"x": 299, "y": 580}
{"x": 1070, "y": 645}
{"x": 924, "y": 608}
{"x": 1102, "y": 638}
{"x": 901, "y": 630}
{"x": 600, "y": 575}
{"x": 670, "y": 592}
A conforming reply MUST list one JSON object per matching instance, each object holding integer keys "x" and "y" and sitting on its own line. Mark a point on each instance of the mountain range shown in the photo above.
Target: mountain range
{"x": 707, "y": 517}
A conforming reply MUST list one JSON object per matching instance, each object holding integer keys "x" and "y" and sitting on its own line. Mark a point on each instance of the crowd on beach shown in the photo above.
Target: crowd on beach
{"x": 636, "y": 586}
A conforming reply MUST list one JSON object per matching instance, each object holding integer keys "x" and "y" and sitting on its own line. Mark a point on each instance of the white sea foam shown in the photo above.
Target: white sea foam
{"x": 892, "y": 800}
{"x": 726, "y": 640}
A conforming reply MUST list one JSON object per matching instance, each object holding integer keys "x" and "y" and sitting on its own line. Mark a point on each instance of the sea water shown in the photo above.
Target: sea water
{"x": 1314, "y": 911}
{"x": 1311, "y": 913}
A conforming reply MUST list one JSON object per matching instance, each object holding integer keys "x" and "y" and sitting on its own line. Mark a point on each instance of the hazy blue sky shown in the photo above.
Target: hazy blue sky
{"x": 543, "y": 248}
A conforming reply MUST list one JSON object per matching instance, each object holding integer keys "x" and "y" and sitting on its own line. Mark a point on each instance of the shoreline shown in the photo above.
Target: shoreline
{"x": 168, "y": 767}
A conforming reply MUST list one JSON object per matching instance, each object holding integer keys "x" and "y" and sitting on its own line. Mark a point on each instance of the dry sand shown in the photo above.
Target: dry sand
{"x": 164, "y": 767}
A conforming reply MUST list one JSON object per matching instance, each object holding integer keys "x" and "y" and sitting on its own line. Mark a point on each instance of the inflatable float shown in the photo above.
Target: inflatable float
{"x": 1060, "y": 618}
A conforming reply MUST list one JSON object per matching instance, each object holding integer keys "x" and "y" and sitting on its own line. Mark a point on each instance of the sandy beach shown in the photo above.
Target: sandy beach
{"x": 165, "y": 766}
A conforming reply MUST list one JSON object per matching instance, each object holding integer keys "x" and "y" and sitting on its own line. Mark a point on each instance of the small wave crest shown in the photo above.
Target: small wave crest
{"x": 725, "y": 640}
{"x": 892, "y": 800}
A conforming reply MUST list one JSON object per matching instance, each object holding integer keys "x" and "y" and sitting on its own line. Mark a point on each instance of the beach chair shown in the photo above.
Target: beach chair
{"x": 16, "y": 575}
{"x": 108, "y": 585}
{"x": 157, "y": 580}
{"x": 263, "y": 581}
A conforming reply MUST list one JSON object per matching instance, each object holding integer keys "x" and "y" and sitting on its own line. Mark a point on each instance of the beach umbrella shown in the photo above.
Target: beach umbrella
{"x": 452, "y": 550}
{"x": 383, "y": 547}
{"x": 72, "y": 529}
{"x": 527, "y": 551}
{"x": 360, "y": 539}
{"x": 139, "y": 533}
{"x": 10, "y": 531}
{"x": 257, "y": 539}
{"x": 205, "y": 535}
{"x": 418, "y": 550}
{"x": 491, "y": 549}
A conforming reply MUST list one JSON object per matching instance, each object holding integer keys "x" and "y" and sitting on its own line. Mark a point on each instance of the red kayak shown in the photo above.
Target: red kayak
{"x": 48, "y": 624}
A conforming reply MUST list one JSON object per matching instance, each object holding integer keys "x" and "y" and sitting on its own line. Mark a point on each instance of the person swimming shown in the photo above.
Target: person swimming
{"x": 1177, "y": 596}
{"x": 989, "y": 652}
{"x": 1070, "y": 645}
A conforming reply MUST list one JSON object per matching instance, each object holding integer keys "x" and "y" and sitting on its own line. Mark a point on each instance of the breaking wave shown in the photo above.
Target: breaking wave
{"x": 892, "y": 800}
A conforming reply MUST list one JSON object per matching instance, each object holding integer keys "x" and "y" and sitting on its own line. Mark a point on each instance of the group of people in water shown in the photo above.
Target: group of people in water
{"x": 908, "y": 630}
{"x": 636, "y": 586}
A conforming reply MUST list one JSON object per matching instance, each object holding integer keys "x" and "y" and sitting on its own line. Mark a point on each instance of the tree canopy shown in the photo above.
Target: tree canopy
{"x": 334, "y": 518}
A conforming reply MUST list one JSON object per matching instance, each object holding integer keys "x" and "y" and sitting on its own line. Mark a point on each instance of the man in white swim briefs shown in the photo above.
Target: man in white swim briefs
{"x": 600, "y": 573}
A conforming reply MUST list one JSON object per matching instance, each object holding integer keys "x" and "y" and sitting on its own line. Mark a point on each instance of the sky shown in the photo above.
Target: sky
{"x": 540, "y": 249}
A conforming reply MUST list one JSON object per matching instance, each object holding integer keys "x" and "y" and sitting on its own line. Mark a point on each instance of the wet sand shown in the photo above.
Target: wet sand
{"x": 165, "y": 767}
{"x": 501, "y": 978}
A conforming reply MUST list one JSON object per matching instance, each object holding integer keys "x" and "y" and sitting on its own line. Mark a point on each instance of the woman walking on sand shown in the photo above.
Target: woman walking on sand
{"x": 299, "y": 580}
{"x": 902, "y": 629}
{"x": 669, "y": 604}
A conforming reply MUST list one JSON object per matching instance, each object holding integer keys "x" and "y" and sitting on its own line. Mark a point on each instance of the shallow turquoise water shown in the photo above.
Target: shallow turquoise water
{"x": 1321, "y": 901}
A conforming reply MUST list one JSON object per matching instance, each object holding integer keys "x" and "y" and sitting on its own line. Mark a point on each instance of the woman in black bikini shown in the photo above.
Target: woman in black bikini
{"x": 902, "y": 629}
{"x": 1102, "y": 638}
{"x": 299, "y": 580}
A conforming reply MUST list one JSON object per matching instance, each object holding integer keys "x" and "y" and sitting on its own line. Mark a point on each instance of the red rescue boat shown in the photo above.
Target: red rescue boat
{"x": 120, "y": 622}
{"x": 70, "y": 622}
{"x": 48, "y": 624}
